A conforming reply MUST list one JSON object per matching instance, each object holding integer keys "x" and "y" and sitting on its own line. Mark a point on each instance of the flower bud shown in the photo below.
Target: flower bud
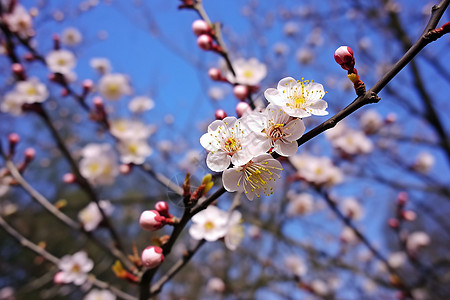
{"x": 409, "y": 215}
{"x": 151, "y": 220}
{"x": 59, "y": 278}
{"x": 124, "y": 169}
{"x": 393, "y": 223}
{"x": 344, "y": 57}
{"x": 205, "y": 42}
{"x": 200, "y": 27}
{"x": 240, "y": 92}
{"x": 402, "y": 198}
{"x": 163, "y": 208}
{"x": 215, "y": 74}
{"x": 30, "y": 153}
{"x": 220, "y": 114}
{"x": 19, "y": 71}
{"x": 152, "y": 257}
{"x": 87, "y": 86}
{"x": 69, "y": 178}
{"x": 242, "y": 108}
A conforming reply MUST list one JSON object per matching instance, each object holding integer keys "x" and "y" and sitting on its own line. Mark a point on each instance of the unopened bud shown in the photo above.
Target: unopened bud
{"x": 200, "y": 27}
{"x": 220, "y": 114}
{"x": 409, "y": 215}
{"x": 215, "y": 74}
{"x": 344, "y": 57}
{"x": 402, "y": 198}
{"x": 69, "y": 178}
{"x": 30, "y": 153}
{"x": 59, "y": 278}
{"x": 125, "y": 169}
{"x": 205, "y": 42}
{"x": 152, "y": 257}
{"x": 151, "y": 220}
{"x": 240, "y": 92}
{"x": 29, "y": 57}
{"x": 87, "y": 86}
{"x": 98, "y": 102}
{"x": 56, "y": 42}
{"x": 19, "y": 71}
{"x": 64, "y": 92}
{"x": 391, "y": 118}
{"x": 393, "y": 223}
{"x": 163, "y": 208}
{"x": 242, "y": 108}
{"x": 13, "y": 141}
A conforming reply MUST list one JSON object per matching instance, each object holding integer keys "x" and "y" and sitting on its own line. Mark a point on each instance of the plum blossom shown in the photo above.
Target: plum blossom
{"x": 275, "y": 130}
{"x": 255, "y": 177}
{"x": 209, "y": 224}
{"x": 31, "y": 91}
{"x": 74, "y": 268}
{"x": 96, "y": 294}
{"x": 397, "y": 259}
{"x": 141, "y": 104}
{"x": 349, "y": 141}
{"x": 352, "y": 208}
{"x": 60, "y": 61}
{"x": 90, "y": 216}
{"x": 216, "y": 285}
{"x": 124, "y": 129}
{"x": 101, "y": 65}
{"x": 248, "y": 72}
{"x": 371, "y": 121}
{"x": 99, "y": 164}
{"x": 12, "y": 103}
{"x": 317, "y": 170}
{"x": 300, "y": 204}
{"x": 235, "y": 230}
{"x": 71, "y": 36}
{"x": 296, "y": 265}
{"x": 114, "y": 86}
{"x": 134, "y": 151}
{"x": 416, "y": 240}
{"x": 19, "y": 21}
{"x": 424, "y": 162}
{"x": 226, "y": 141}
{"x": 298, "y": 98}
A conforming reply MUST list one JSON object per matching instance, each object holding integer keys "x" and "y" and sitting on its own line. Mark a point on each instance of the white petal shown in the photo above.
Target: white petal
{"x": 255, "y": 122}
{"x": 286, "y": 148}
{"x": 318, "y": 108}
{"x": 241, "y": 157}
{"x": 218, "y": 161}
{"x": 209, "y": 142}
{"x": 230, "y": 179}
{"x": 286, "y": 83}
{"x": 314, "y": 92}
{"x": 273, "y": 96}
{"x": 257, "y": 144}
{"x": 295, "y": 129}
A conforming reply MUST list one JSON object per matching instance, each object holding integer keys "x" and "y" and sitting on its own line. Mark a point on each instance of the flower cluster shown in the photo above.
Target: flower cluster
{"x": 245, "y": 144}
{"x": 25, "y": 92}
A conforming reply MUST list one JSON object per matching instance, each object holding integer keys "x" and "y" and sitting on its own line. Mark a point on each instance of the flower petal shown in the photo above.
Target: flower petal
{"x": 218, "y": 161}
{"x": 286, "y": 148}
{"x": 295, "y": 129}
{"x": 319, "y": 108}
{"x": 231, "y": 178}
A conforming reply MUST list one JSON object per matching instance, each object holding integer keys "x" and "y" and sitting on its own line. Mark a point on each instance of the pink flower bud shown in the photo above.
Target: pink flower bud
{"x": 14, "y": 138}
{"x": 242, "y": 108}
{"x": 205, "y": 42}
{"x": 200, "y": 27}
{"x": 30, "y": 153}
{"x": 409, "y": 215}
{"x": 151, "y": 220}
{"x": 220, "y": 114}
{"x": 240, "y": 92}
{"x": 163, "y": 208}
{"x": 344, "y": 57}
{"x": 19, "y": 71}
{"x": 87, "y": 85}
{"x": 152, "y": 257}
{"x": 59, "y": 278}
{"x": 390, "y": 118}
{"x": 29, "y": 57}
{"x": 402, "y": 198}
{"x": 69, "y": 178}
{"x": 215, "y": 74}
{"x": 125, "y": 169}
{"x": 98, "y": 102}
{"x": 393, "y": 223}
{"x": 64, "y": 92}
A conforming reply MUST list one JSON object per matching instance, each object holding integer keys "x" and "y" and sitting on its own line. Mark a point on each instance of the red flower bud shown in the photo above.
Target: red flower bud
{"x": 220, "y": 114}
{"x": 151, "y": 220}
{"x": 205, "y": 42}
{"x": 152, "y": 257}
{"x": 344, "y": 57}
{"x": 240, "y": 92}
{"x": 200, "y": 27}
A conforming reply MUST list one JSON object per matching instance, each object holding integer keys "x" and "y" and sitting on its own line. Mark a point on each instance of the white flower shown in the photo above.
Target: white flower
{"x": 31, "y": 91}
{"x": 296, "y": 265}
{"x": 371, "y": 121}
{"x": 124, "y": 129}
{"x": 12, "y": 103}
{"x": 134, "y": 151}
{"x": 417, "y": 240}
{"x": 298, "y": 98}
{"x": 101, "y": 65}
{"x": 317, "y": 170}
{"x": 275, "y": 130}
{"x": 349, "y": 236}
{"x": 256, "y": 177}
{"x": 352, "y": 209}
{"x": 19, "y": 21}
{"x": 216, "y": 93}
{"x": 291, "y": 28}
{"x": 305, "y": 56}
{"x": 320, "y": 287}
{"x": 300, "y": 204}
{"x": 99, "y": 164}
{"x": 90, "y": 216}
{"x": 75, "y": 268}
{"x": 216, "y": 285}
{"x": 353, "y": 142}
{"x": 235, "y": 231}
{"x": 227, "y": 142}
{"x": 100, "y": 295}
{"x": 424, "y": 162}
{"x": 209, "y": 224}
{"x": 71, "y": 36}
{"x": 397, "y": 259}
{"x": 248, "y": 72}
{"x": 140, "y": 104}
{"x": 60, "y": 61}
{"x": 114, "y": 86}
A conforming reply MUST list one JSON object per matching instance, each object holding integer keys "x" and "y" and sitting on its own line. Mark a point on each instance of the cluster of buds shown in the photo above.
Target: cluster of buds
{"x": 401, "y": 213}
{"x": 155, "y": 219}
{"x": 344, "y": 57}
{"x": 29, "y": 153}
{"x": 205, "y": 36}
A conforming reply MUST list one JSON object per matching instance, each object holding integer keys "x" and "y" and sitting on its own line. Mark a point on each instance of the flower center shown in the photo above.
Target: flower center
{"x": 113, "y": 88}
{"x": 209, "y": 225}
{"x": 247, "y": 74}
{"x": 231, "y": 146}
{"x": 275, "y": 132}
{"x": 76, "y": 268}
{"x": 61, "y": 62}
{"x": 257, "y": 176}
{"x": 296, "y": 96}
{"x": 31, "y": 91}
